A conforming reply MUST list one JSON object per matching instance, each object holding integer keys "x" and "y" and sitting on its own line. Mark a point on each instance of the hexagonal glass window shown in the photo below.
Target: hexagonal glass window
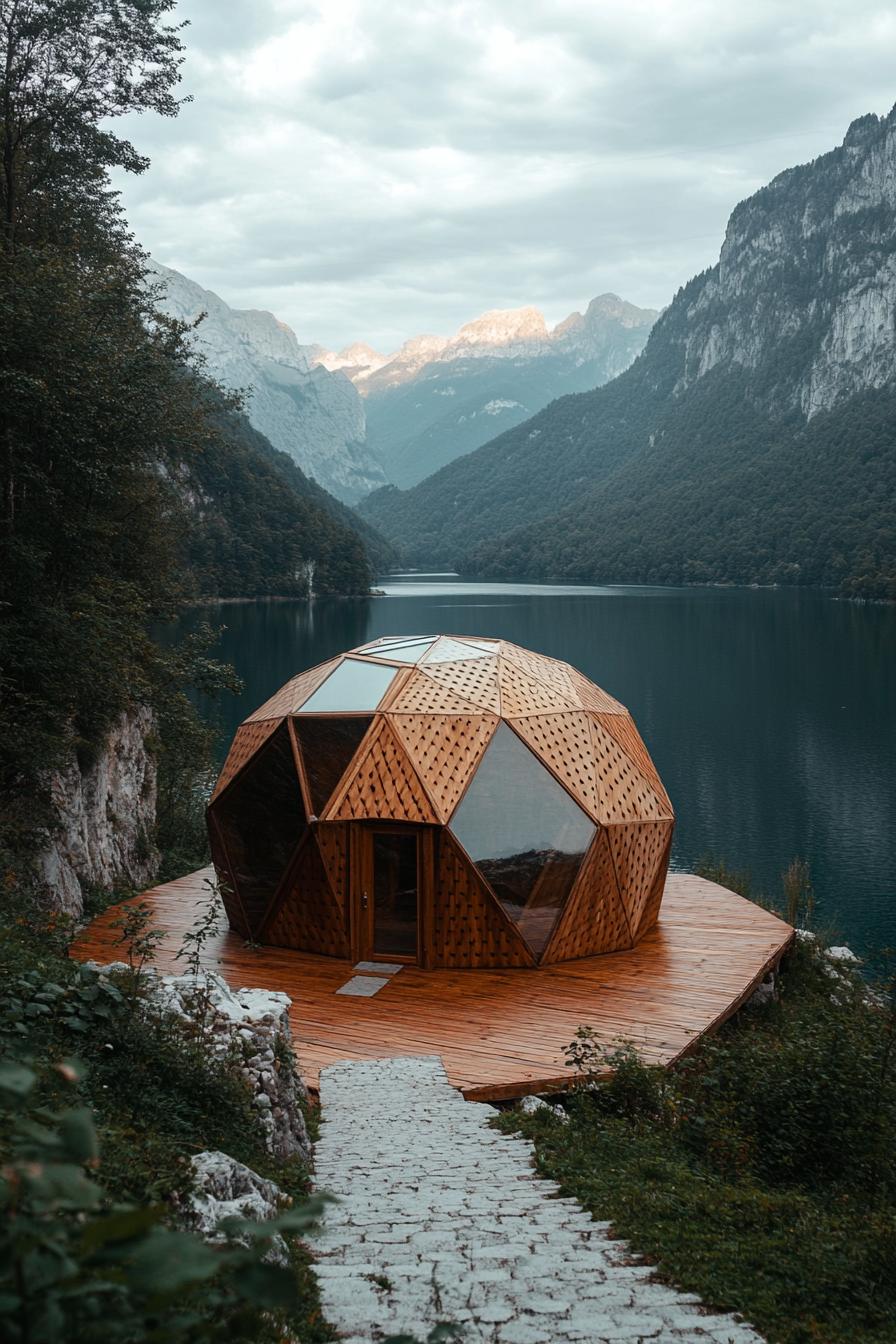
{"x": 327, "y": 745}
{"x": 260, "y": 819}
{"x": 524, "y": 833}
{"x": 352, "y": 686}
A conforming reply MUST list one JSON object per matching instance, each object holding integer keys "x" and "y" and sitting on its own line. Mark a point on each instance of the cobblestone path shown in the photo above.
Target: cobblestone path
{"x": 441, "y": 1218}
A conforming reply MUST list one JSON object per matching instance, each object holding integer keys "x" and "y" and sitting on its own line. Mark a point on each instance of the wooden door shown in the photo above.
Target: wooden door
{"x": 390, "y": 872}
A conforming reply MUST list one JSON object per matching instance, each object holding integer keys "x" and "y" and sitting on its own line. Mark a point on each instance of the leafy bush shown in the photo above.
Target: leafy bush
{"x": 759, "y": 1171}
{"x": 73, "y": 1264}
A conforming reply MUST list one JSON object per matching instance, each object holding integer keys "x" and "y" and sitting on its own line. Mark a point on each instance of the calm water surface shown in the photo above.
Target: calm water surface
{"x": 770, "y": 714}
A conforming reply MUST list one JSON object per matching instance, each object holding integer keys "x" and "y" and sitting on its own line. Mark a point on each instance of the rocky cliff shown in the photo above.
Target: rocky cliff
{"x": 105, "y": 815}
{"x": 751, "y": 441}
{"x": 440, "y": 397}
{"x": 808, "y": 266}
{"x": 304, "y": 409}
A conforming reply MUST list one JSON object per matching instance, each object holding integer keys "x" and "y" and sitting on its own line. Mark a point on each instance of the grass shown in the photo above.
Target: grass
{"x": 759, "y": 1173}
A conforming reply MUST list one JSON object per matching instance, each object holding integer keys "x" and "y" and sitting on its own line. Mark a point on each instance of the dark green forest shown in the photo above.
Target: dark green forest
{"x": 128, "y": 482}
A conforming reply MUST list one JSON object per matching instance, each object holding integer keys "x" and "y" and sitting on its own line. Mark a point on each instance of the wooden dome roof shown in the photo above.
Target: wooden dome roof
{"x": 550, "y": 827}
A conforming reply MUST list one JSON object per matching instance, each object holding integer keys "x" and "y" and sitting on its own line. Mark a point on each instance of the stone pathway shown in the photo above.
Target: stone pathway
{"x": 441, "y": 1218}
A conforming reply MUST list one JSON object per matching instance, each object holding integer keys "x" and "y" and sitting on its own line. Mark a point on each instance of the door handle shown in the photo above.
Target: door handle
{"x": 363, "y": 900}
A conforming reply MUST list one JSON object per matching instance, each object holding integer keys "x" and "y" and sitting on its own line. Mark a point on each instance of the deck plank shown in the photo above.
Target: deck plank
{"x": 501, "y": 1033}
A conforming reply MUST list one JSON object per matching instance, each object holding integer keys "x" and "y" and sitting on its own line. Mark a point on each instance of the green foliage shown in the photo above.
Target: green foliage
{"x": 758, "y": 1172}
{"x": 127, "y": 481}
{"x": 74, "y": 1264}
{"x": 155, "y": 1091}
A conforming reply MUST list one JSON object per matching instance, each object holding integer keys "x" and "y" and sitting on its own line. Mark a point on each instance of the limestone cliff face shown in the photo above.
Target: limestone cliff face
{"x": 105, "y": 817}
{"x": 306, "y": 410}
{"x": 804, "y": 291}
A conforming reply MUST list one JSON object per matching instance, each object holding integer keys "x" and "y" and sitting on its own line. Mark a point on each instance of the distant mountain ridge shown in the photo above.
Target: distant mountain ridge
{"x": 753, "y": 440}
{"x": 313, "y": 415}
{"x": 438, "y": 398}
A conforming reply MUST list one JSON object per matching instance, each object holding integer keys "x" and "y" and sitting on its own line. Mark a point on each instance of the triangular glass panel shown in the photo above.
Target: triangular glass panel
{"x": 398, "y": 642}
{"x": 449, "y": 650}
{"x": 524, "y": 833}
{"x": 403, "y": 653}
{"x": 354, "y": 686}
{"x": 327, "y": 745}
{"x": 261, "y": 819}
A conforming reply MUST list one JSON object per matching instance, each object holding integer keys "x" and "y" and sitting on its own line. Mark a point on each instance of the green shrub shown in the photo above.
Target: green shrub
{"x": 759, "y": 1171}
{"x": 74, "y": 1265}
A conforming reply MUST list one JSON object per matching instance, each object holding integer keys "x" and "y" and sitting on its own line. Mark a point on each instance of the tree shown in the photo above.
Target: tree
{"x": 68, "y": 67}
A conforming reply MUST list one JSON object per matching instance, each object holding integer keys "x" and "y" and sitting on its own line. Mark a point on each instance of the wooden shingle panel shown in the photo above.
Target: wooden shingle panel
{"x": 445, "y": 750}
{"x": 419, "y": 694}
{"x": 555, "y": 674}
{"x": 246, "y": 741}
{"x": 522, "y": 693}
{"x": 474, "y": 680}
{"x": 594, "y": 919}
{"x": 623, "y": 794}
{"x": 383, "y": 784}
{"x": 307, "y": 914}
{"x": 622, "y": 729}
{"x": 639, "y": 850}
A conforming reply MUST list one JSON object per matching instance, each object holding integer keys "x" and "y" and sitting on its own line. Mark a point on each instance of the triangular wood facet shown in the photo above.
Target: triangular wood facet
{"x": 623, "y": 794}
{"x": 332, "y": 839}
{"x": 594, "y": 919}
{"x": 562, "y": 742}
{"x": 622, "y": 729}
{"x": 592, "y": 697}
{"x": 651, "y": 911}
{"x": 470, "y": 929}
{"x": 474, "y": 680}
{"x": 448, "y": 650}
{"x": 638, "y": 851}
{"x": 383, "y": 785}
{"x": 294, "y": 694}
{"x": 445, "y": 750}
{"x": 547, "y": 670}
{"x": 420, "y": 694}
{"x": 306, "y": 914}
{"x": 522, "y": 693}
{"x": 247, "y": 739}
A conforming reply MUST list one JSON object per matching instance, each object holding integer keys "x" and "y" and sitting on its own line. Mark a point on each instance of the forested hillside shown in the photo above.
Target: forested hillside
{"x": 752, "y": 441}
{"x": 128, "y": 482}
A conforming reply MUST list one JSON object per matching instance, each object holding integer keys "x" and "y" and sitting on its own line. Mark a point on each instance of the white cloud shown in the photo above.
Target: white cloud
{"x": 370, "y": 170}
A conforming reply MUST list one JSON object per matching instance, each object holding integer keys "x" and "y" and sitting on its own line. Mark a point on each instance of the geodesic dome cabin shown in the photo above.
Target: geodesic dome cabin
{"x": 444, "y": 800}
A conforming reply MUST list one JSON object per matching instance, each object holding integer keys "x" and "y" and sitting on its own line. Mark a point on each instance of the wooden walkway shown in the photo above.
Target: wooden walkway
{"x": 501, "y": 1034}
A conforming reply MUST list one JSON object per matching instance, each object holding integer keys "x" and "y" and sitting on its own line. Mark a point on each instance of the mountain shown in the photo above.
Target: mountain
{"x": 753, "y": 440}
{"x": 438, "y": 398}
{"x": 312, "y": 413}
{"x": 260, "y": 527}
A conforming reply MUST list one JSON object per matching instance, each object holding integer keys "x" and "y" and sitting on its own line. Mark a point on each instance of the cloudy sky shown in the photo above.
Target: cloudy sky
{"x": 372, "y": 169}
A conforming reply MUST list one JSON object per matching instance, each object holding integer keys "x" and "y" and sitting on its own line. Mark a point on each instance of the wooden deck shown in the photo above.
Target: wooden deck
{"x": 503, "y": 1033}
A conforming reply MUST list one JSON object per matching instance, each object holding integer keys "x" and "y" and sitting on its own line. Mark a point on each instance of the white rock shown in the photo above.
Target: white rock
{"x": 842, "y": 954}
{"x": 104, "y": 817}
{"x": 224, "y": 1188}
{"x": 531, "y": 1106}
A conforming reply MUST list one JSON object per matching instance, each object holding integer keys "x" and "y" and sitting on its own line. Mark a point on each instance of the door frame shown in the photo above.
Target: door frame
{"x": 361, "y": 880}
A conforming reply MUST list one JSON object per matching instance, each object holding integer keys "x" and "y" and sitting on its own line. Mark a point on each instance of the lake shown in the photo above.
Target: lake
{"x": 771, "y": 715}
